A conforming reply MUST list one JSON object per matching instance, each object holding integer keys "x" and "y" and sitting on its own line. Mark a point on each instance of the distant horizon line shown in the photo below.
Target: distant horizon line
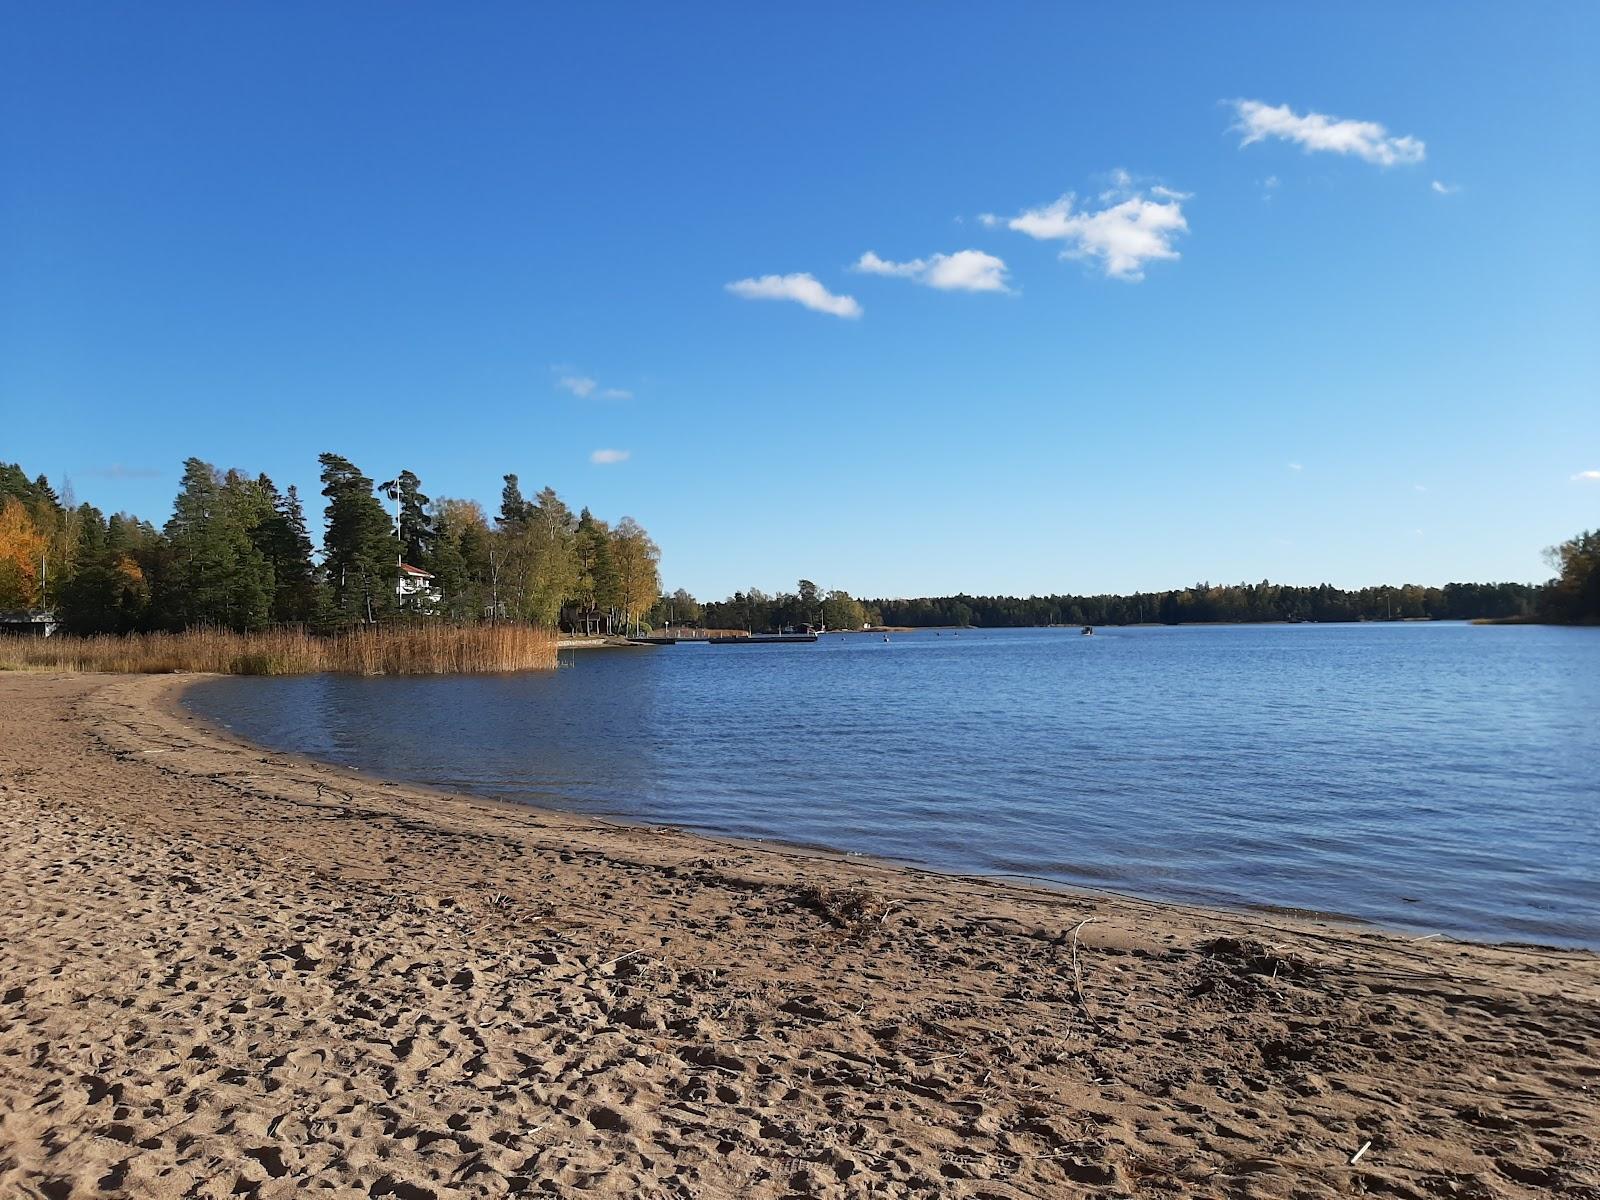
{"x": 1135, "y": 592}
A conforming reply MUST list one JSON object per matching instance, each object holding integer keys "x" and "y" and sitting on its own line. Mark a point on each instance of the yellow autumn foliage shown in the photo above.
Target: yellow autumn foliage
{"x": 21, "y": 548}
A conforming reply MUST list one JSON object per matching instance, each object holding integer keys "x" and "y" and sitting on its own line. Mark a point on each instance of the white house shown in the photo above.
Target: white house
{"x": 415, "y": 588}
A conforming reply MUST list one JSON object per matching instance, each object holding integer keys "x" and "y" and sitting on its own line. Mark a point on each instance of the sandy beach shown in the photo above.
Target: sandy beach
{"x": 225, "y": 972}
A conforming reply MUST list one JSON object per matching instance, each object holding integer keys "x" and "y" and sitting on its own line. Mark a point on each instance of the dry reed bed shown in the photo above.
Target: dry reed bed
{"x": 433, "y": 649}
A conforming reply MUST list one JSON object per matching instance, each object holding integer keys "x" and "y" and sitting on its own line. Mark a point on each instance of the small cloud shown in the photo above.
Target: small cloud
{"x": 579, "y": 385}
{"x": 1446, "y": 189}
{"x": 571, "y": 379}
{"x": 1121, "y": 182}
{"x": 1271, "y": 182}
{"x": 1297, "y": 466}
{"x": 1586, "y": 477}
{"x": 1134, "y": 228}
{"x": 802, "y": 288}
{"x": 118, "y": 471}
{"x": 1317, "y": 131}
{"x": 963, "y": 271}
{"x": 606, "y": 457}
{"x": 1417, "y": 487}
{"x": 988, "y": 220}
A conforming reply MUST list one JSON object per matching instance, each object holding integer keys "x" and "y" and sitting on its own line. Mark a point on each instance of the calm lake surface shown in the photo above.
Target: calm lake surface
{"x": 1441, "y": 778}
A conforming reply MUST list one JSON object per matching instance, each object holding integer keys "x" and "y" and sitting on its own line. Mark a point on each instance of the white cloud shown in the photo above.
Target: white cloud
{"x": 1297, "y": 466}
{"x": 606, "y": 457}
{"x": 801, "y": 288}
{"x": 1133, "y": 229}
{"x": 963, "y": 271}
{"x": 585, "y": 387}
{"x": 1317, "y": 131}
{"x": 1418, "y": 487}
{"x": 1446, "y": 189}
{"x": 1586, "y": 477}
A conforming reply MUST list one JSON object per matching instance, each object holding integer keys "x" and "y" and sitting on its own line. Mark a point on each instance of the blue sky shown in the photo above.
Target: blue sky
{"x": 1344, "y": 333}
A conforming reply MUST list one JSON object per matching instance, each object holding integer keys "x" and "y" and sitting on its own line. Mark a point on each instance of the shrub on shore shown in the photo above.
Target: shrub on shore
{"x": 424, "y": 649}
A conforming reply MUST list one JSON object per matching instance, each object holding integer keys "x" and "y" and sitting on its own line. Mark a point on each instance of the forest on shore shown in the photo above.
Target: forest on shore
{"x": 237, "y": 554}
{"x": 1572, "y": 597}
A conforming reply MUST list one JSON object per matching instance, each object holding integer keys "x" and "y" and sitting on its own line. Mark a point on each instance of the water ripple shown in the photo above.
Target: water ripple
{"x": 1444, "y": 778}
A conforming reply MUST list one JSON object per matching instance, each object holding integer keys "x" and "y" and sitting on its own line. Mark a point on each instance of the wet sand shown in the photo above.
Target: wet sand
{"x": 225, "y": 972}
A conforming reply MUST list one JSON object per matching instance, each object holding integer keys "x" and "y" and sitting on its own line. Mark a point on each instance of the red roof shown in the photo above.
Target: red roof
{"x": 408, "y": 569}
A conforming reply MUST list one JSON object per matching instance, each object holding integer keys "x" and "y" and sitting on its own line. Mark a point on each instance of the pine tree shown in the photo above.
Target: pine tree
{"x": 108, "y": 591}
{"x": 360, "y": 552}
{"x": 416, "y": 530}
{"x": 280, "y": 536}
{"x": 296, "y": 598}
{"x": 596, "y": 591}
{"x": 513, "y": 508}
{"x": 218, "y": 575}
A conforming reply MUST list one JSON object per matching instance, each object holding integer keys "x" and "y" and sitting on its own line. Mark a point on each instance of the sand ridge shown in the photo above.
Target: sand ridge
{"x": 225, "y": 972}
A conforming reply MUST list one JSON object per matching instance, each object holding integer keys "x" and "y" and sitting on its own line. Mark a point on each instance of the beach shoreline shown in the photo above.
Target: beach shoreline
{"x": 170, "y": 700}
{"x": 229, "y": 970}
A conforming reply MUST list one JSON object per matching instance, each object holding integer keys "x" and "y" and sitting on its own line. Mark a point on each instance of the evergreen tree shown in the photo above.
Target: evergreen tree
{"x": 513, "y": 508}
{"x": 596, "y": 591}
{"x": 279, "y": 535}
{"x": 360, "y": 552}
{"x": 295, "y": 600}
{"x": 415, "y": 524}
{"x": 218, "y": 575}
{"x": 108, "y": 591}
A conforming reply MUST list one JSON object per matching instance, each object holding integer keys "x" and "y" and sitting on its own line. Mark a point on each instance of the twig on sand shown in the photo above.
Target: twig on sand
{"x": 611, "y": 962}
{"x": 1077, "y": 974}
{"x": 1356, "y": 1157}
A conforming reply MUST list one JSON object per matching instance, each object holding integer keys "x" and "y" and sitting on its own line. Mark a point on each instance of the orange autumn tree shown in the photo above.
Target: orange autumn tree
{"x": 21, "y": 548}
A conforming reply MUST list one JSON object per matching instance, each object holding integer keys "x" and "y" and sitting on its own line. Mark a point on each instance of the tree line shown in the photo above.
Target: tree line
{"x": 1572, "y": 597}
{"x": 237, "y": 553}
{"x": 757, "y": 611}
{"x": 1207, "y": 603}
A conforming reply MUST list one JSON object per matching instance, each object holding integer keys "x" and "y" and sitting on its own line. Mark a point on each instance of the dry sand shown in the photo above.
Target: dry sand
{"x": 230, "y": 973}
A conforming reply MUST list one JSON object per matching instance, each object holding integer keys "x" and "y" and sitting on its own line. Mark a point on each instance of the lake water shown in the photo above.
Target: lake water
{"x": 1441, "y": 778}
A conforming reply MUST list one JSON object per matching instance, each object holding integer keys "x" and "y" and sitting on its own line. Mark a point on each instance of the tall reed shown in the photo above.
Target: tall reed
{"x": 430, "y": 649}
